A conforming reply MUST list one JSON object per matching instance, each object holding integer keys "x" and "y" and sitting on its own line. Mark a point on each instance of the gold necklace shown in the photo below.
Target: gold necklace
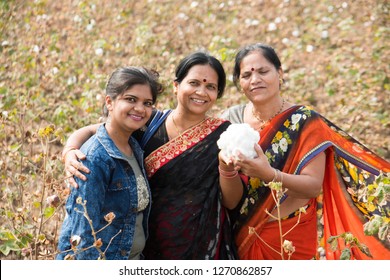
{"x": 177, "y": 129}
{"x": 185, "y": 141}
{"x": 263, "y": 123}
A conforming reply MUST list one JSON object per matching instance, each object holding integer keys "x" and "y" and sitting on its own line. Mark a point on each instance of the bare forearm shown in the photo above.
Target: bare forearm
{"x": 308, "y": 184}
{"x": 80, "y": 136}
{"x": 231, "y": 185}
{"x": 232, "y": 191}
{"x": 300, "y": 186}
{"x": 71, "y": 153}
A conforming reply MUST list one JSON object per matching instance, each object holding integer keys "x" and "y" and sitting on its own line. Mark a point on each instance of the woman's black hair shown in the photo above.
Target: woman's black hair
{"x": 123, "y": 78}
{"x": 202, "y": 58}
{"x": 267, "y": 51}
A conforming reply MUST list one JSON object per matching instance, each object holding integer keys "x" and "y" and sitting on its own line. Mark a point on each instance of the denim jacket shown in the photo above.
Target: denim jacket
{"x": 111, "y": 187}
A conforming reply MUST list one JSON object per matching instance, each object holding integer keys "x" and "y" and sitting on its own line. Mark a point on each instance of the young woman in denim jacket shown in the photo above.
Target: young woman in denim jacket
{"x": 107, "y": 215}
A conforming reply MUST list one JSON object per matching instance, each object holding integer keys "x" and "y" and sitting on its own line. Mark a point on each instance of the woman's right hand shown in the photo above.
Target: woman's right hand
{"x": 73, "y": 167}
{"x": 258, "y": 167}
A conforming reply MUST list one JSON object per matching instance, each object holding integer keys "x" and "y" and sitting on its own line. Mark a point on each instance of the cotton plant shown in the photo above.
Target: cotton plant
{"x": 238, "y": 138}
{"x": 241, "y": 138}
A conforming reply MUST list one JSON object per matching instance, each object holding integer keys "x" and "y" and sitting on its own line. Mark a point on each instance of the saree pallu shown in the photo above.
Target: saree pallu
{"x": 187, "y": 220}
{"x": 291, "y": 141}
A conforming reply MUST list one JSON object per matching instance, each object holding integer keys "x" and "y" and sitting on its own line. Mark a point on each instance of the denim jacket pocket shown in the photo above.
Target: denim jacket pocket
{"x": 122, "y": 182}
{"x": 122, "y": 196}
{"x": 119, "y": 185}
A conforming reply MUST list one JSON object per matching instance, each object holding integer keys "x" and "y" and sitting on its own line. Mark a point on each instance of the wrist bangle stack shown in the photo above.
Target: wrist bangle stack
{"x": 281, "y": 176}
{"x": 277, "y": 174}
{"x": 227, "y": 174}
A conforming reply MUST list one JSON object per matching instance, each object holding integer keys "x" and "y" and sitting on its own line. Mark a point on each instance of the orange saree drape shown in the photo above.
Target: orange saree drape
{"x": 291, "y": 140}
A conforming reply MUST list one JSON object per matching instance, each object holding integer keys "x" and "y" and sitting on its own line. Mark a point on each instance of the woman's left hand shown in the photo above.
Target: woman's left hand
{"x": 225, "y": 161}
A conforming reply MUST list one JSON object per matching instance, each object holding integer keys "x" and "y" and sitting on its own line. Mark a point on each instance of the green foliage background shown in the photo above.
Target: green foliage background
{"x": 56, "y": 57}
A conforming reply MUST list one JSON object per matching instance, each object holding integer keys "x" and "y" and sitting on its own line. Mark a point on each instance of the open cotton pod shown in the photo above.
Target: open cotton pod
{"x": 239, "y": 138}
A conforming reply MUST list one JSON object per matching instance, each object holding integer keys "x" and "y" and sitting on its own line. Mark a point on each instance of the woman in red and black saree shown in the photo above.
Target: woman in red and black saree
{"x": 188, "y": 219}
{"x": 324, "y": 175}
{"x": 191, "y": 186}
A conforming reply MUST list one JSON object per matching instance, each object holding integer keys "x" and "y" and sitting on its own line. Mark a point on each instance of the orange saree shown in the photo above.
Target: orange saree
{"x": 291, "y": 140}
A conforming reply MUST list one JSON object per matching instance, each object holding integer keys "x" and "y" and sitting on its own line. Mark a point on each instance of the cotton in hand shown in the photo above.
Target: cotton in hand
{"x": 239, "y": 138}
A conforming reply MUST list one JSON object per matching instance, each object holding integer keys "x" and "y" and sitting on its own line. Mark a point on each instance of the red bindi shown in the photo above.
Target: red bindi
{"x": 204, "y": 80}
{"x": 253, "y": 69}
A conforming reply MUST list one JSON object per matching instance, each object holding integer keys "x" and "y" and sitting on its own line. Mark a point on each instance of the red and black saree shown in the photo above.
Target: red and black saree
{"x": 187, "y": 220}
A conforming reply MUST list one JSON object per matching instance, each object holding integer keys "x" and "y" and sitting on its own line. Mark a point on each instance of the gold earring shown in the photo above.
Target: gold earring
{"x": 281, "y": 81}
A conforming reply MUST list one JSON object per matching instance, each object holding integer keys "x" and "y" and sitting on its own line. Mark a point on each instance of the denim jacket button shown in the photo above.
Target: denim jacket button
{"x": 123, "y": 252}
{"x": 119, "y": 185}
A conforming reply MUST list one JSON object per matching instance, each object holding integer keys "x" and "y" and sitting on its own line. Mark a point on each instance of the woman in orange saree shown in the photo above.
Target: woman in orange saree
{"x": 291, "y": 140}
{"x": 349, "y": 167}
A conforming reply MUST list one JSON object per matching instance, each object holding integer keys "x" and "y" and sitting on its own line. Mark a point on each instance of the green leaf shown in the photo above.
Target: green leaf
{"x": 345, "y": 254}
{"x": 383, "y": 231}
{"x": 333, "y": 242}
{"x": 365, "y": 249}
{"x": 36, "y": 204}
{"x": 48, "y": 212}
{"x": 15, "y": 147}
{"x": 331, "y": 91}
{"x": 9, "y": 245}
{"x": 6, "y": 235}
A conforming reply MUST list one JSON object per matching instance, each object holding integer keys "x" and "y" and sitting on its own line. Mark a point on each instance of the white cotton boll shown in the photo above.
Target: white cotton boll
{"x": 324, "y": 34}
{"x": 272, "y": 26}
{"x": 239, "y": 138}
{"x": 55, "y": 70}
{"x": 99, "y": 51}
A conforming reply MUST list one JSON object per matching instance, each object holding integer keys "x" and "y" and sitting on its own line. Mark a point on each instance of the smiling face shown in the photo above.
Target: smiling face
{"x": 198, "y": 91}
{"x": 131, "y": 110}
{"x": 259, "y": 79}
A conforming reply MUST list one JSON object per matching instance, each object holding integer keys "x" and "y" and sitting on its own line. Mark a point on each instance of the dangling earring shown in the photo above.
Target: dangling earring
{"x": 281, "y": 81}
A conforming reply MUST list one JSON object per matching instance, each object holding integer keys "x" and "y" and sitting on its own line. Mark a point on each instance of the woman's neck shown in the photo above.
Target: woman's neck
{"x": 179, "y": 121}
{"x": 268, "y": 110}
{"x": 260, "y": 115}
{"x": 184, "y": 120}
{"x": 120, "y": 139}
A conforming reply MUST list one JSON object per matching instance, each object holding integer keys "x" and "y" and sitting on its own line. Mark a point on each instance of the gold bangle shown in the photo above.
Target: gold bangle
{"x": 281, "y": 176}
{"x": 275, "y": 175}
